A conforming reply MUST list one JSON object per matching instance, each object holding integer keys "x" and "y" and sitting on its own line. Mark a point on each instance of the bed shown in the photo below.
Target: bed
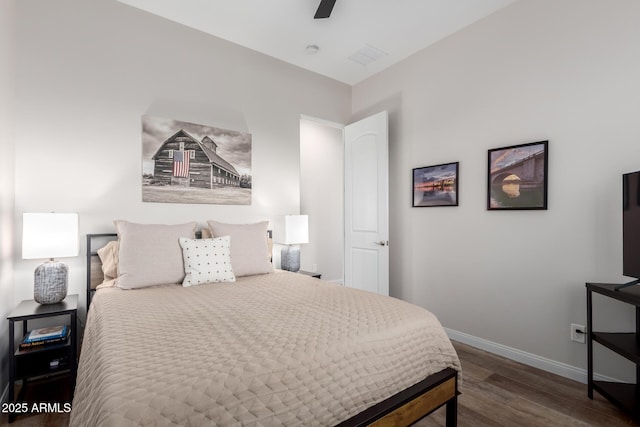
{"x": 266, "y": 349}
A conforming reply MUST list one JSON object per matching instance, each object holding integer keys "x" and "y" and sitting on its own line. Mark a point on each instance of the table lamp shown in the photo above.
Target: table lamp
{"x": 50, "y": 235}
{"x": 296, "y": 230}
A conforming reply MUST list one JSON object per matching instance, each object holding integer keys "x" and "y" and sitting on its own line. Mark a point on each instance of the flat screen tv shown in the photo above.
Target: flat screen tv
{"x": 631, "y": 226}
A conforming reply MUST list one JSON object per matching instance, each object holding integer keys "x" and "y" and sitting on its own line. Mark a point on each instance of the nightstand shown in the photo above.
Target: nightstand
{"x": 309, "y": 273}
{"x": 37, "y": 361}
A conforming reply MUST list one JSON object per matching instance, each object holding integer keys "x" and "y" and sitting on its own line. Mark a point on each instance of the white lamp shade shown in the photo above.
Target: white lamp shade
{"x": 296, "y": 229}
{"x": 49, "y": 235}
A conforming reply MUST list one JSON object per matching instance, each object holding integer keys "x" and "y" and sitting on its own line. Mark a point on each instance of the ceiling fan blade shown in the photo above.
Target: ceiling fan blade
{"x": 324, "y": 10}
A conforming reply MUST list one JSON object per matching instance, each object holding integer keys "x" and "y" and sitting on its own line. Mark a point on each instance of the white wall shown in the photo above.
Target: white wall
{"x": 567, "y": 72}
{"x": 540, "y": 69}
{"x": 322, "y": 198}
{"x": 88, "y": 71}
{"x": 7, "y": 99}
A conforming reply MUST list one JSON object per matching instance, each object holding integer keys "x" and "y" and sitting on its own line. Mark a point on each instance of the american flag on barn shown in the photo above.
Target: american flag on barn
{"x": 181, "y": 164}
{"x": 183, "y": 160}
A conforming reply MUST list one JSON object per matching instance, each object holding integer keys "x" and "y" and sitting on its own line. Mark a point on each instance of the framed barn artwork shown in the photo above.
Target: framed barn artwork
{"x": 436, "y": 185}
{"x": 517, "y": 177}
{"x": 190, "y": 163}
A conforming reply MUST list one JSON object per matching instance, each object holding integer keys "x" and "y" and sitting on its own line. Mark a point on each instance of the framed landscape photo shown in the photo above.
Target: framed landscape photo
{"x": 517, "y": 177}
{"x": 186, "y": 162}
{"x": 436, "y": 185}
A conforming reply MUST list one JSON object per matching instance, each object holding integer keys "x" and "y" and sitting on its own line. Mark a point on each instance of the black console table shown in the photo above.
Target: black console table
{"x": 626, "y": 344}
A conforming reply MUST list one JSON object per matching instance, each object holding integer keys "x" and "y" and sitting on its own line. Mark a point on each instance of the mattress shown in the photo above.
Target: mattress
{"x": 273, "y": 349}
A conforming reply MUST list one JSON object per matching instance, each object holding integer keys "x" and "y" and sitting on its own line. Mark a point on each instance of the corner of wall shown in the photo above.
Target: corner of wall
{"x": 7, "y": 193}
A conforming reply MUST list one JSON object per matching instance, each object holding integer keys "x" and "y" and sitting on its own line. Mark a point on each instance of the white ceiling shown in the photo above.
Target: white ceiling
{"x": 284, "y": 28}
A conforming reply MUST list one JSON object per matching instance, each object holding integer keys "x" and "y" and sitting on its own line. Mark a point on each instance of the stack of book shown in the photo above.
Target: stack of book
{"x": 45, "y": 336}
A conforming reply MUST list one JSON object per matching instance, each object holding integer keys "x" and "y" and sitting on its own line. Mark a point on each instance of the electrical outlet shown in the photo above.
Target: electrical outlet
{"x": 578, "y": 333}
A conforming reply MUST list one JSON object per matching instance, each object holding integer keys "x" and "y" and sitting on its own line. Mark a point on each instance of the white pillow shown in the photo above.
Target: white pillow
{"x": 249, "y": 246}
{"x": 150, "y": 254}
{"x": 207, "y": 261}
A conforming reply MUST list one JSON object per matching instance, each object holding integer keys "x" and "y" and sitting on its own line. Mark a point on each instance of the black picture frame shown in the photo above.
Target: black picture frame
{"x": 435, "y": 185}
{"x": 517, "y": 177}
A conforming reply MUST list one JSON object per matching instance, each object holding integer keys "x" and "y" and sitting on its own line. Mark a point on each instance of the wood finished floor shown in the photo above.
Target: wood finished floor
{"x": 500, "y": 392}
{"x": 495, "y": 392}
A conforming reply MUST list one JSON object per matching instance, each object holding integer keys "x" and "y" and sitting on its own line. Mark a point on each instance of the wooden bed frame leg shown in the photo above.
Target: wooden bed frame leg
{"x": 452, "y": 412}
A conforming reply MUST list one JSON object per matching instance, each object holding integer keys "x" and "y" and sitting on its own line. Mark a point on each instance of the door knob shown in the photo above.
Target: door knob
{"x": 382, "y": 243}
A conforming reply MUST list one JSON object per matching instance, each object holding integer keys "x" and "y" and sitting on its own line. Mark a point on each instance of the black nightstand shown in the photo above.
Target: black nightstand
{"x": 35, "y": 362}
{"x": 309, "y": 273}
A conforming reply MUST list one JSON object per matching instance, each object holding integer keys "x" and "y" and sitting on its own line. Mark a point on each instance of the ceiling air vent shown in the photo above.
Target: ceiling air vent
{"x": 367, "y": 54}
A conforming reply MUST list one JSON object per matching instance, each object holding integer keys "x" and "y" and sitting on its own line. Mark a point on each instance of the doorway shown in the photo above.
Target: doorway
{"x": 340, "y": 235}
{"x": 322, "y": 197}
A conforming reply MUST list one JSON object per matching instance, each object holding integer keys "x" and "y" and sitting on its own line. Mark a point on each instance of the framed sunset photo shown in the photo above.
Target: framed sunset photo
{"x": 436, "y": 185}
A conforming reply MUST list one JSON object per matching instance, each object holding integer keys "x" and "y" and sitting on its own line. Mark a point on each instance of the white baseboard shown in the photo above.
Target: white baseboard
{"x": 549, "y": 365}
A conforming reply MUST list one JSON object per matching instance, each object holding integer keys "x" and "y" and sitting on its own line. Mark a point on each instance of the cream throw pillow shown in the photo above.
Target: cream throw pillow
{"x": 206, "y": 261}
{"x": 109, "y": 257}
{"x": 249, "y": 247}
{"x": 150, "y": 254}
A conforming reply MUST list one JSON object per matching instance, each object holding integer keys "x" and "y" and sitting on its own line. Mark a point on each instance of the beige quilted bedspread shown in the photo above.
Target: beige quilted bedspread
{"x": 275, "y": 349}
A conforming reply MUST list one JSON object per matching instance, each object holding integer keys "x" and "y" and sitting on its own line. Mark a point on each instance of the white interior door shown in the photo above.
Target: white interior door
{"x": 367, "y": 204}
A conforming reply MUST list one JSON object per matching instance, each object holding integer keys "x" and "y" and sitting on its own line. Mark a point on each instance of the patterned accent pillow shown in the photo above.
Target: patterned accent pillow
{"x": 207, "y": 261}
